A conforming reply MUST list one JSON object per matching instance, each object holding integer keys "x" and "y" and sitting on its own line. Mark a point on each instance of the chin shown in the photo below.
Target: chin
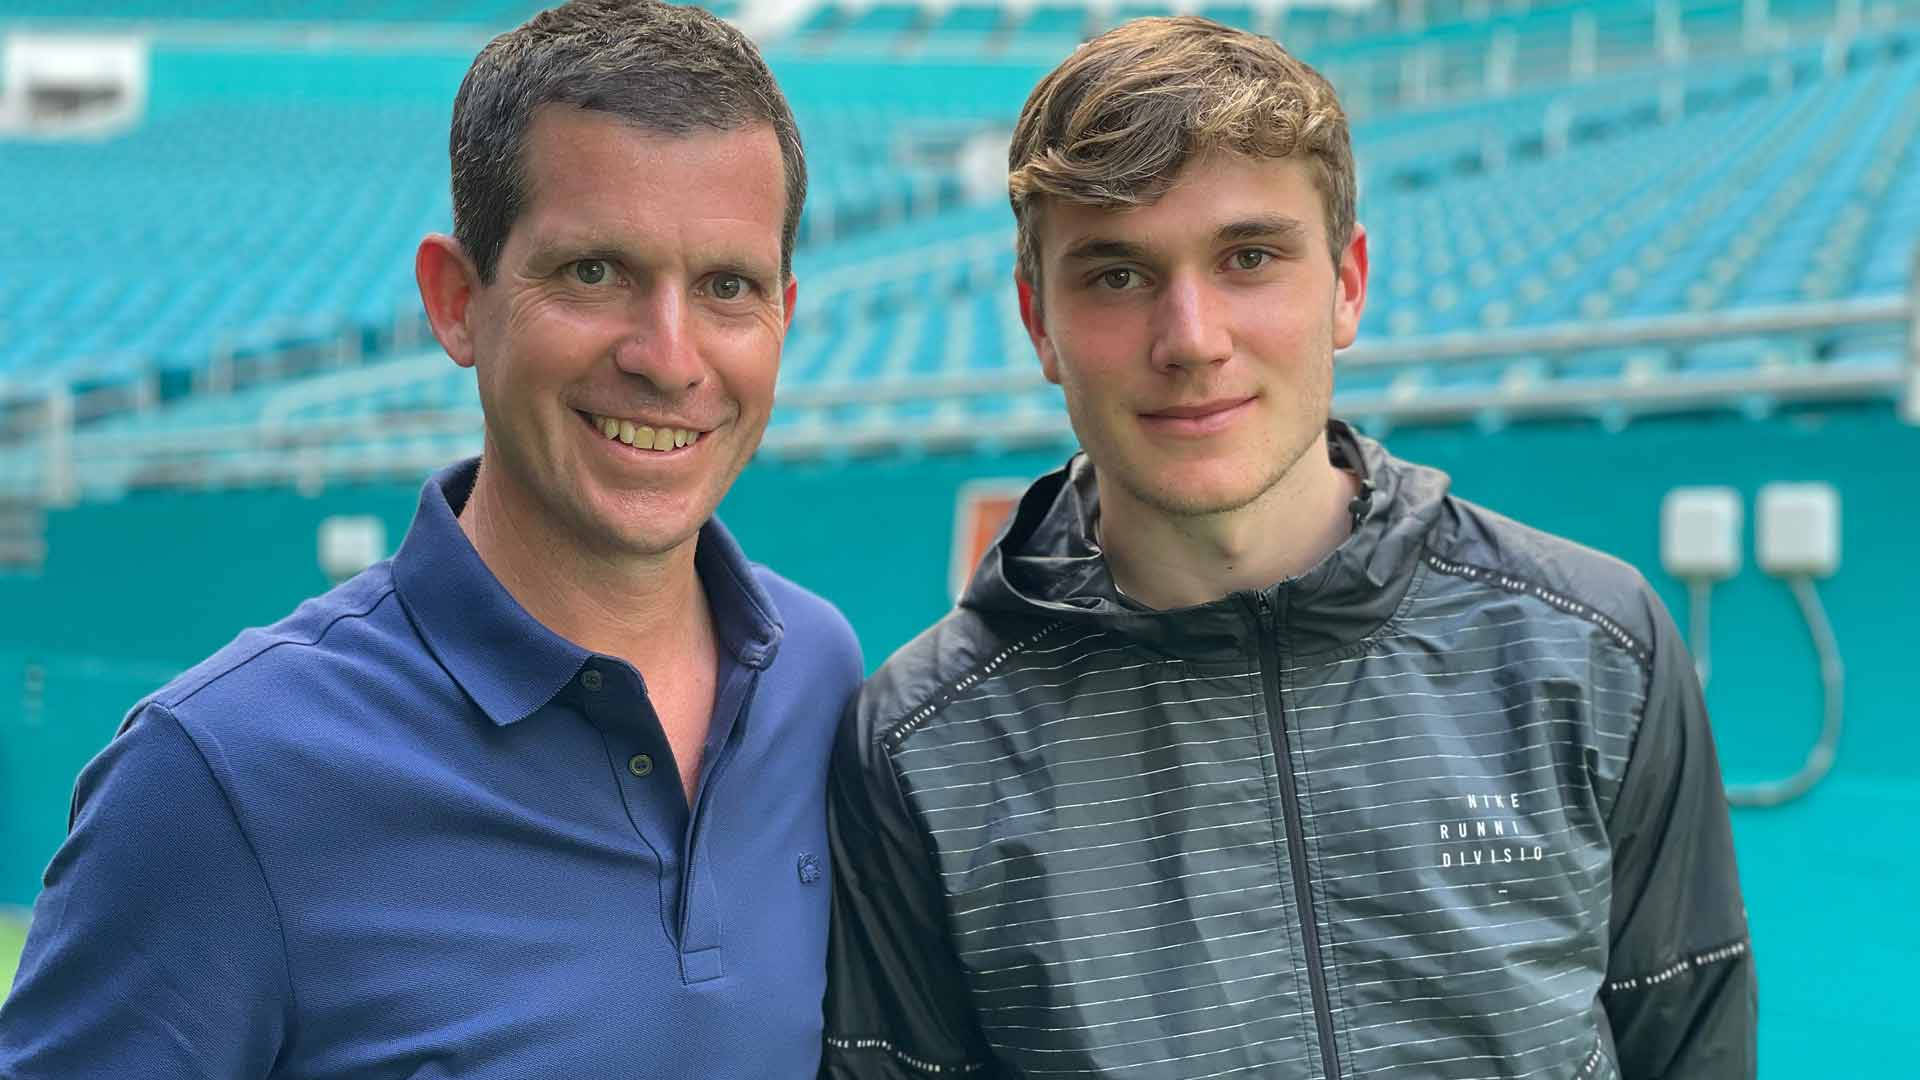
{"x": 1194, "y": 493}
{"x": 653, "y": 541}
{"x": 645, "y": 527}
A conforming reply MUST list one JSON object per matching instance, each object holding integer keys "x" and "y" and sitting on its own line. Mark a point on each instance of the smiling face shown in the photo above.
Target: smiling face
{"x": 628, "y": 345}
{"x": 1194, "y": 337}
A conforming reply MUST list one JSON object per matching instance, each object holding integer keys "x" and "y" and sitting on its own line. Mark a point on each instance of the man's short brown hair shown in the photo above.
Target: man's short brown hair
{"x": 662, "y": 67}
{"x": 1116, "y": 122}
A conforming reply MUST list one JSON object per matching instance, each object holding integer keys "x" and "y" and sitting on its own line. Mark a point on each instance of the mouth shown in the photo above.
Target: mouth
{"x": 641, "y": 435}
{"x": 1198, "y": 418}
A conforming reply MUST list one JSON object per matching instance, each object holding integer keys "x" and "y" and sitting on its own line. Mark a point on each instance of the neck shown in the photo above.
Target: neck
{"x": 646, "y": 610}
{"x": 1167, "y": 561}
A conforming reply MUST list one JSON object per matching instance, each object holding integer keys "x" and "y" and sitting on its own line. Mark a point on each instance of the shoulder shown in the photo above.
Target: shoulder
{"x": 252, "y": 710}
{"x": 1495, "y": 550}
{"x": 812, "y": 626}
{"x": 291, "y": 665}
{"x": 921, "y": 678}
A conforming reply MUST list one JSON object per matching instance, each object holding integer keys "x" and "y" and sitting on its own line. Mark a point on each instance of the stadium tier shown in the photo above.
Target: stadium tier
{"x": 224, "y": 228}
{"x": 229, "y": 238}
{"x": 472, "y": 12}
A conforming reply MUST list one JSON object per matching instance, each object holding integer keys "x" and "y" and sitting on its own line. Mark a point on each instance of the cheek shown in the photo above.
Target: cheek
{"x": 1293, "y": 331}
{"x": 1093, "y": 347}
{"x": 749, "y": 366}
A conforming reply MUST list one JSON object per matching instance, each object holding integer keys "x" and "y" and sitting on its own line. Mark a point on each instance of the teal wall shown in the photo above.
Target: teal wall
{"x": 136, "y": 589}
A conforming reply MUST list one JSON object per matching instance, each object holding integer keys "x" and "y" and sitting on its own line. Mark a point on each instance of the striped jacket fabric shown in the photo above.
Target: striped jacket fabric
{"x": 1445, "y": 807}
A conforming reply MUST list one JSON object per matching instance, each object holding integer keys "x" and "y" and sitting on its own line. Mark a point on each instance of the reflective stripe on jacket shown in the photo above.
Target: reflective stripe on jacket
{"x": 1445, "y": 807}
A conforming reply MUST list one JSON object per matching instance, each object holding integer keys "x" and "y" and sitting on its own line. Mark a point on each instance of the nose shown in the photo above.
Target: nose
{"x": 1189, "y": 330}
{"x": 661, "y": 346}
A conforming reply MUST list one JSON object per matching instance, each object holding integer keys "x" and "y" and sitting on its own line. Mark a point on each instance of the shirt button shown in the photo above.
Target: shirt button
{"x": 640, "y": 765}
{"x": 590, "y": 679}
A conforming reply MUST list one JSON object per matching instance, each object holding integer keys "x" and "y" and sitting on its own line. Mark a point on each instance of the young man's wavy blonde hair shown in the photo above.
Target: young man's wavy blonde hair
{"x": 1117, "y": 120}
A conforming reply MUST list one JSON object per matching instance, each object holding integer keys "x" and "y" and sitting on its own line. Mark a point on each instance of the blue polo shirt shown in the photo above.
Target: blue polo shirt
{"x": 409, "y": 832}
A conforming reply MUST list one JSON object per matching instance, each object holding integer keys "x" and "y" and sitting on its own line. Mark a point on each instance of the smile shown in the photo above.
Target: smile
{"x": 1203, "y": 418}
{"x": 643, "y": 436}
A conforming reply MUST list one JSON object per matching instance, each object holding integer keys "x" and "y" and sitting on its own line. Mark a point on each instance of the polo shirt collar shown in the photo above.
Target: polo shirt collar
{"x": 507, "y": 661}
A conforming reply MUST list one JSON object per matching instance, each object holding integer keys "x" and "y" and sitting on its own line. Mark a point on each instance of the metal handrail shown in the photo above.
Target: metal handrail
{"x": 281, "y": 447}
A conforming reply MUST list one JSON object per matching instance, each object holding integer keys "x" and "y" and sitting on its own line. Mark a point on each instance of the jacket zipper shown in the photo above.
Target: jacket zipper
{"x": 1296, "y": 832}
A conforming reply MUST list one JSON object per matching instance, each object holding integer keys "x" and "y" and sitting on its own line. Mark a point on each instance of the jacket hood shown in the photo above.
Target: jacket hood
{"x": 1047, "y": 564}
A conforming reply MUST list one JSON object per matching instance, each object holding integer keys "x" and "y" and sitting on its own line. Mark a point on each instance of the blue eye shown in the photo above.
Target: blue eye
{"x": 590, "y": 271}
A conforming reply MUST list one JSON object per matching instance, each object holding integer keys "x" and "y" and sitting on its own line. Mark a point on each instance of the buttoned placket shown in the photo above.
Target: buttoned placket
{"x": 614, "y": 699}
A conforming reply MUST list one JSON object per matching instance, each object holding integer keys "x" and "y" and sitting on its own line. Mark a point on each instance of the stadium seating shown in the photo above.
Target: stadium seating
{"x": 229, "y": 227}
{"x": 474, "y": 12}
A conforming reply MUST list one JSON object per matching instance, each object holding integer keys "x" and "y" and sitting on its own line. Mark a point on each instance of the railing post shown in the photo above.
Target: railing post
{"x": 1910, "y": 404}
{"x": 57, "y": 412}
{"x": 1669, "y": 38}
{"x": 1755, "y": 28}
{"x": 1583, "y": 46}
{"x": 1500, "y": 57}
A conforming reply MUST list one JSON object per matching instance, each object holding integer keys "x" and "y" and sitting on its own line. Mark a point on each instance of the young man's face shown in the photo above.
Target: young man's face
{"x": 1194, "y": 337}
{"x": 641, "y": 285}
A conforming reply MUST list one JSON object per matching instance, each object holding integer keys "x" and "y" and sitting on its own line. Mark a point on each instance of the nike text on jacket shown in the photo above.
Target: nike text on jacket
{"x": 1446, "y": 807}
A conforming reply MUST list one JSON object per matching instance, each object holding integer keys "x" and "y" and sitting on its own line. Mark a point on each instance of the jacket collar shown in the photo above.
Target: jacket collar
{"x": 507, "y": 661}
{"x": 1047, "y": 565}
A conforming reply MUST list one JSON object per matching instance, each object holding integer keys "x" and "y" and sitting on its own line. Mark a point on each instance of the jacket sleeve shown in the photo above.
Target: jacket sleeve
{"x": 1680, "y": 989}
{"x": 155, "y": 949}
{"x": 897, "y": 1006}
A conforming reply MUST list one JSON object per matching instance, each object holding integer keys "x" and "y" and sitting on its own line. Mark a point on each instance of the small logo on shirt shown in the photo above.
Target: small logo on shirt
{"x": 809, "y": 868}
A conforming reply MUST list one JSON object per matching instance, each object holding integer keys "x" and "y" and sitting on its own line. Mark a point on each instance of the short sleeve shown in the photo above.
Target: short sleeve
{"x": 155, "y": 949}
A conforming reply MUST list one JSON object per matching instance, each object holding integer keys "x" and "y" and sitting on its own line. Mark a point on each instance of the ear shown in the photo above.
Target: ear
{"x": 448, "y": 281}
{"x": 1037, "y": 329}
{"x": 787, "y": 297}
{"x": 1350, "y": 289}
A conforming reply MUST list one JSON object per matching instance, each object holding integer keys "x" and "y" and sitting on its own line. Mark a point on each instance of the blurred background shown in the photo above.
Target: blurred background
{"x": 1643, "y": 275}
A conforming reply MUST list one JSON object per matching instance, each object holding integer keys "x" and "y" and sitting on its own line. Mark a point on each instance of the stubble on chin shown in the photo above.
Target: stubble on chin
{"x": 1254, "y": 478}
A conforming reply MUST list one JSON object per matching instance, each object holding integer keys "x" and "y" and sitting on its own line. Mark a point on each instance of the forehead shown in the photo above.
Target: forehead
{"x": 1209, "y": 193}
{"x": 594, "y": 171}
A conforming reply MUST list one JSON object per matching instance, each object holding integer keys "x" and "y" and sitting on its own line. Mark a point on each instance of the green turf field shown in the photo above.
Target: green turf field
{"x": 13, "y": 934}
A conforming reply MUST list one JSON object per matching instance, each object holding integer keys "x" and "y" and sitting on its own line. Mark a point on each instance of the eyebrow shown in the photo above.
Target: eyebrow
{"x": 563, "y": 248}
{"x": 1259, "y": 227}
{"x": 1263, "y": 226}
{"x": 1097, "y": 248}
{"x": 554, "y": 249}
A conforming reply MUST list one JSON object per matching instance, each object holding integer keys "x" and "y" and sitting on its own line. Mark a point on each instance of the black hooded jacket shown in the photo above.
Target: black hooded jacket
{"x": 1445, "y": 807}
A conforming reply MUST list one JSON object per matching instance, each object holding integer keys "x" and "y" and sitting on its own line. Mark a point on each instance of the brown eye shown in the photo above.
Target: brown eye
{"x": 1118, "y": 278}
{"x": 590, "y": 271}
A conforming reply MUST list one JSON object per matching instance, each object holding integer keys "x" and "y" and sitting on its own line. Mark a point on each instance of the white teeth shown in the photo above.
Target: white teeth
{"x": 642, "y": 436}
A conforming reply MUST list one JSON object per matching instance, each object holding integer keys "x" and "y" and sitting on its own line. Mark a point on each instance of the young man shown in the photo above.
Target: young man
{"x": 544, "y": 795}
{"x": 1250, "y": 751}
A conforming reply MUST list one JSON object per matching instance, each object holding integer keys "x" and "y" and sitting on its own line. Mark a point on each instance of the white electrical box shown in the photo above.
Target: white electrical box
{"x": 350, "y": 544}
{"x": 1700, "y": 533}
{"x": 1799, "y": 529}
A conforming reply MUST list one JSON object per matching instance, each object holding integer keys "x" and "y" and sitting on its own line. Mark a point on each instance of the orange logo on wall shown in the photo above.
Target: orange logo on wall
{"x": 980, "y": 513}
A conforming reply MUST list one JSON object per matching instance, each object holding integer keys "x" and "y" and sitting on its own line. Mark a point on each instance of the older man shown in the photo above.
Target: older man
{"x": 544, "y": 794}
